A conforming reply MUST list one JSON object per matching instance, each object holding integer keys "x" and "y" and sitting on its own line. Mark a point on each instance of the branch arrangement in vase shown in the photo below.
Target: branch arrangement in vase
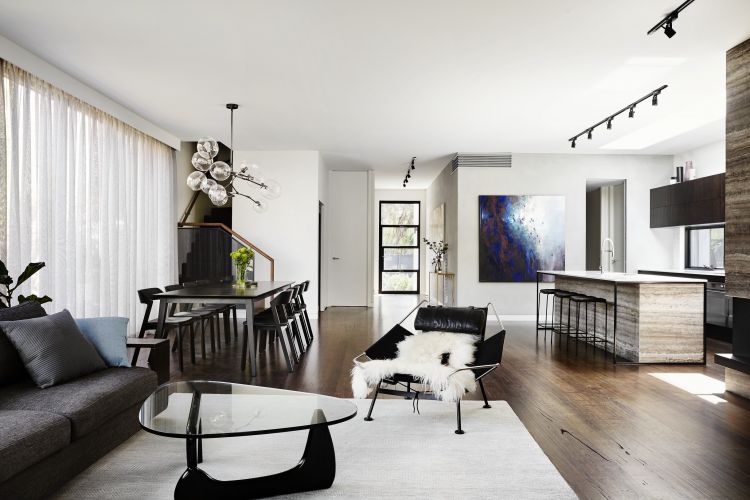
{"x": 439, "y": 248}
{"x": 7, "y": 282}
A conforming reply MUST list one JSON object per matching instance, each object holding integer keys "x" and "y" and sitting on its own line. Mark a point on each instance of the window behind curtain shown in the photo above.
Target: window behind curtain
{"x": 87, "y": 194}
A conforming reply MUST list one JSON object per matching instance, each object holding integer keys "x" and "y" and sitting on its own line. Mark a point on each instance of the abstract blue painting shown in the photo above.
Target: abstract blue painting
{"x": 519, "y": 235}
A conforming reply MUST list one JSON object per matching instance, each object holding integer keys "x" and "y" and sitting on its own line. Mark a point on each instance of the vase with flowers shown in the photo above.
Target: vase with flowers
{"x": 438, "y": 248}
{"x": 241, "y": 258}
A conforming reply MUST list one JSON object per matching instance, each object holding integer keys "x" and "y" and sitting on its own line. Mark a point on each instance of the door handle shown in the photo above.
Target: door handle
{"x": 335, "y": 258}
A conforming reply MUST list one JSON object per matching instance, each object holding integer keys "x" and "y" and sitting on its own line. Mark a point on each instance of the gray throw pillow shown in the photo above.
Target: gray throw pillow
{"x": 52, "y": 348}
{"x": 11, "y": 367}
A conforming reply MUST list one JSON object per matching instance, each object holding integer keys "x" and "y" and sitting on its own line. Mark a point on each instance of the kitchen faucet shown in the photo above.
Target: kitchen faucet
{"x": 611, "y": 250}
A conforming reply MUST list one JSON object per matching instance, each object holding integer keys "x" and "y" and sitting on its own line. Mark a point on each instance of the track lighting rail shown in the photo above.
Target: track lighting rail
{"x": 630, "y": 108}
{"x": 408, "y": 172}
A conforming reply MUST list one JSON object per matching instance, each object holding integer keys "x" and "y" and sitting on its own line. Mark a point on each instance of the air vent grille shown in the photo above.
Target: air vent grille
{"x": 491, "y": 160}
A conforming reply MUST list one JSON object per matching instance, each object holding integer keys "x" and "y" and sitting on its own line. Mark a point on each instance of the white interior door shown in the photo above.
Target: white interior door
{"x": 347, "y": 230}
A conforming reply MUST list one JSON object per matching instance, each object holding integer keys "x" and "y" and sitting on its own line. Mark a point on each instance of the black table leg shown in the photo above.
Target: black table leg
{"x": 316, "y": 470}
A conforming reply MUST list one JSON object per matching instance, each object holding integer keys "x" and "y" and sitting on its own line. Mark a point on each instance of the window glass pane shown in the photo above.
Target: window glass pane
{"x": 400, "y": 258}
{"x": 399, "y": 236}
{"x": 706, "y": 247}
{"x": 399, "y": 214}
{"x": 399, "y": 282}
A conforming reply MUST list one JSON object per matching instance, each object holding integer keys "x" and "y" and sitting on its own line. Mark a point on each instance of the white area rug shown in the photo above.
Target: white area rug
{"x": 398, "y": 455}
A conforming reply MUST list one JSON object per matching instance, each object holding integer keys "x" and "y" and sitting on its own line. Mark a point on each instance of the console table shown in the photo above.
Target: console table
{"x": 441, "y": 288}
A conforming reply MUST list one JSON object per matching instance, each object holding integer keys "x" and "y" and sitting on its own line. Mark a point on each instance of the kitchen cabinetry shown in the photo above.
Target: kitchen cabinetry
{"x": 700, "y": 201}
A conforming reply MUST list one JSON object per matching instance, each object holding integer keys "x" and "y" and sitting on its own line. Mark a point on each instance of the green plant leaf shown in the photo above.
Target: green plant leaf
{"x": 33, "y": 298}
{"x": 30, "y": 271}
{"x": 5, "y": 279}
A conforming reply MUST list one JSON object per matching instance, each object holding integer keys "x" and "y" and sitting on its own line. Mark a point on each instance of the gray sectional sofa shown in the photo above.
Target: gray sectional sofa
{"x": 47, "y": 436}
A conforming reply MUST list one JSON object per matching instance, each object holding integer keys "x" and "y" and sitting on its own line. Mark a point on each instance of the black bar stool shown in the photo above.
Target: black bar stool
{"x": 562, "y": 295}
{"x": 546, "y": 292}
{"x": 599, "y": 300}
{"x": 586, "y": 300}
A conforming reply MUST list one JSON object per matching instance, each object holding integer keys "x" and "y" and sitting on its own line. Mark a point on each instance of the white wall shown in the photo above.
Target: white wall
{"x": 707, "y": 160}
{"x": 419, "y": 195}
{"x": 444, "y": 189}
{"x": 42, "y": 69}
{"x": 288, "y": 231}
{"x": 323, "y": 197}
{"x": 560, "y": 175}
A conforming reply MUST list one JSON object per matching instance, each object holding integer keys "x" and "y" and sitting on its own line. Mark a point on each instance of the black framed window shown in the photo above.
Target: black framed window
{"x": 704, "y": 247}
{"x": 399, "y": 247}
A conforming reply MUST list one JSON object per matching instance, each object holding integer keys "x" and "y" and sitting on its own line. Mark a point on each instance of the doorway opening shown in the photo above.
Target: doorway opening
{"x": 399, "y": 266}
{"x": 606, "y": 220}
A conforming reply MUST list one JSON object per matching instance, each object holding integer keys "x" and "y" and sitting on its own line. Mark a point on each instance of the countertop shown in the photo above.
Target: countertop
{"x": 624, "y": 278}
{"x": 707, "y": 273}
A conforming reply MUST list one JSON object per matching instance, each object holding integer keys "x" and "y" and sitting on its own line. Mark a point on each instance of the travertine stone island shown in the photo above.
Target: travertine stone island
{"x": 660, "y": 319}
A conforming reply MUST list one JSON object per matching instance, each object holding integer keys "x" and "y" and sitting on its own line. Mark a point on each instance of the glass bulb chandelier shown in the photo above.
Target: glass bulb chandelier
{"x": 216, "y": 178}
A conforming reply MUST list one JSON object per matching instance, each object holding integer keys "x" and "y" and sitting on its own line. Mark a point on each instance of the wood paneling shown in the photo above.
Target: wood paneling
{"x": 700, "y": 201}
{"x": 737, "y": 234}
{"x": 611, "y": 431}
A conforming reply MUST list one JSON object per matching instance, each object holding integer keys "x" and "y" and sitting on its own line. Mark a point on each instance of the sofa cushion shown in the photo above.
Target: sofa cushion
{"x": 52, "y": 348}
{"x": 88, "y": 401}
{"x": 11, "y": 367}
{"x": 27, "y": 437}
{"x": 110, "y": 338}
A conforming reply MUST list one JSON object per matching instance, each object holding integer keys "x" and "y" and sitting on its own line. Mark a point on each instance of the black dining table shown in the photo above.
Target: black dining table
{"x": 222, "y": 294}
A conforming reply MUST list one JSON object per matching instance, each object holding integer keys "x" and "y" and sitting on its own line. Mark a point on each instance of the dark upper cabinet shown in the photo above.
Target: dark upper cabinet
{"x": 700, "y": 201}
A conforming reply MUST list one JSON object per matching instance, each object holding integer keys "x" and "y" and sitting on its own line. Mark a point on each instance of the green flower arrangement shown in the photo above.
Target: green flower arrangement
{"x": 242, "y": 257}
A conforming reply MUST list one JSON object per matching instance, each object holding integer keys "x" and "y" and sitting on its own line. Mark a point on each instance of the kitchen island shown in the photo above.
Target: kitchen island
{"x": 649, "y": 318}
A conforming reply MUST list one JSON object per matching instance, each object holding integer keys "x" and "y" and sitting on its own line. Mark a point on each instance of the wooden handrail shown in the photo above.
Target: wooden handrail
{"x": 189, "y": 208}
{"x": 235, "y": 235}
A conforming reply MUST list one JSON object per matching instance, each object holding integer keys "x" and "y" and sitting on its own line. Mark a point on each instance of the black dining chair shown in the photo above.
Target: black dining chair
{"x": 276, "y": 321}
{"x": 295, "y": 314}
{"x": 301, "y": 306}
{"x": 224, "y": 309}
{"x": 172, "y": 323}
{"x": 204, "y": 316}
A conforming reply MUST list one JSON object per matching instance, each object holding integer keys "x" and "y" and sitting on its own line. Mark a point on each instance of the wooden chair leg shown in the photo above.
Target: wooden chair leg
{"x": 203, "y": 338}
{"x": 289, "y": 364}
{"x": 192, "y": 342}
{"x": 226, "y": 326}
{"x": 244, "y": 347}
{"x": 290, "y": 341}
{"x": 309, "y": 325}
{"x": 179, "y": 344}
{"x": 234, "y": 316}
{"x": 297, "y": 336}
{"x": 213, "y": 337}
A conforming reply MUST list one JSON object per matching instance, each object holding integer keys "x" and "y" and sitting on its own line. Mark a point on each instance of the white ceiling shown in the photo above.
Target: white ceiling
{"x": 372, "y": 83}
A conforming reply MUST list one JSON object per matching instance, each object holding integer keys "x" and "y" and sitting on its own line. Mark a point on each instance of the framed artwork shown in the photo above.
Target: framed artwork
{"x": 437, "y": 223}
{"x": 520, "y": 234}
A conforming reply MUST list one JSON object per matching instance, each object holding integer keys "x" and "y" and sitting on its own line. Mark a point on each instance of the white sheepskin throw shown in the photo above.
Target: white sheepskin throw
{"x": 421, "y": 355}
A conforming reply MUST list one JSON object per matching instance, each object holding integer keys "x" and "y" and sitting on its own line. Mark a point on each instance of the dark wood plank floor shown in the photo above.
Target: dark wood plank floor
{"x": 612, "y": 431}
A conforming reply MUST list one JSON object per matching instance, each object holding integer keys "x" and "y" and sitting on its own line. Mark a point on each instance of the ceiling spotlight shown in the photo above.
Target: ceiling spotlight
{"x": 573, "y": 143}
{"x": 631, "y": 113}
{"x": 408, "y": 176}
{"x": 655, "y": 100}
{"x": 668, "y": 30}
{"x": 591, "y": 131}
{"x": 666, "y": 22}
{"x": 609, "y": 124}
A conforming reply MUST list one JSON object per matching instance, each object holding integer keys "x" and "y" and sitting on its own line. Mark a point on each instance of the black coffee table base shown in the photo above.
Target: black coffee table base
{"x": 316, "y": 470}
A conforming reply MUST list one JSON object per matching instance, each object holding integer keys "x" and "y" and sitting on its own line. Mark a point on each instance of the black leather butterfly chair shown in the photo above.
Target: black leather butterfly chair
{"x": 468, "y": 320}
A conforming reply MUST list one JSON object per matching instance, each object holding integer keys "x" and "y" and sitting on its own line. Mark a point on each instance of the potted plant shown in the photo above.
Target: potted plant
{"x": 7, "y": 282}
{"x": 438, "y": 248}
{"x": 241, "y": 258}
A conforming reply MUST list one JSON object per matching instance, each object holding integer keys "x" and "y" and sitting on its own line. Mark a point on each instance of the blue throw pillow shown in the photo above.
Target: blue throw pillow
{"x": 109, "y": 337}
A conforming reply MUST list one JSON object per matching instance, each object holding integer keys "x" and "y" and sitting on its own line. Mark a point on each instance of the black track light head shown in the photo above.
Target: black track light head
{"x": 668, "y": 30}
{"x": 590, "y": 134}
{"x": 609, "y": 124}
{"x": 655, "y": 99}
{"x": 631, "y": 113}
{"x": 573, "y": 144}
{"x": 408, "y": 176}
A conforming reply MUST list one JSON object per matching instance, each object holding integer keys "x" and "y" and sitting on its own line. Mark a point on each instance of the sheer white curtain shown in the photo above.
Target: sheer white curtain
{"x": 87, "y": 194}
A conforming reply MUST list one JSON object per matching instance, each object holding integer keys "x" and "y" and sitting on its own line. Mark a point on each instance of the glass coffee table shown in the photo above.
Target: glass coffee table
{"x": 199, "y": 410}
